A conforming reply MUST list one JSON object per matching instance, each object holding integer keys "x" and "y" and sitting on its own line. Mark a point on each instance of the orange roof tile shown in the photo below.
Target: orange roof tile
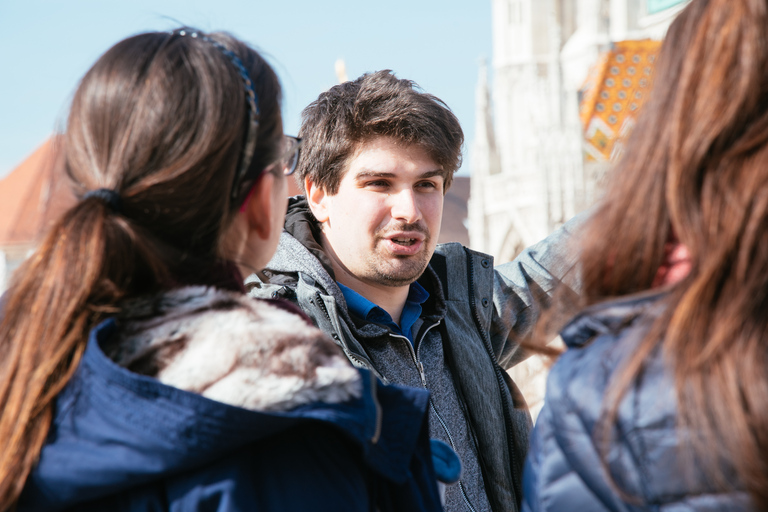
{"x": 32, "y": 196}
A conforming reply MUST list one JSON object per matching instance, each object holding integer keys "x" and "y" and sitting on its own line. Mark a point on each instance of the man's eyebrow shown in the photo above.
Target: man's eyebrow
{"x": 366, "y": 174}
{"x": 429, "y": 174}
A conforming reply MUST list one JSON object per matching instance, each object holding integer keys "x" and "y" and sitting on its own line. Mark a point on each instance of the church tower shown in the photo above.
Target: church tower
{"x": 538, "y": 182}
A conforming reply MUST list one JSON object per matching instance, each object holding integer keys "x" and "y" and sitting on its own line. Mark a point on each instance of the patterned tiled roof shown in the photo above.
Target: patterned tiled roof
{"x": 615, "y": 89}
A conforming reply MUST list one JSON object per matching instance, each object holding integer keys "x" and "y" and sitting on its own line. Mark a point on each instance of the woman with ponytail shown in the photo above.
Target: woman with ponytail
{"x": 135, "y": 374}
{"x": 661, "y": 400}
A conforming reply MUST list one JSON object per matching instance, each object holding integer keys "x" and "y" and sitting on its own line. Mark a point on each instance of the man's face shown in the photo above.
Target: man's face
{"x": 381, "y": 227}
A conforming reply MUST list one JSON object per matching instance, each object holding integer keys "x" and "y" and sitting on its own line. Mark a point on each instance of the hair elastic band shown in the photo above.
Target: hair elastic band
{"x": 110, "y": 197}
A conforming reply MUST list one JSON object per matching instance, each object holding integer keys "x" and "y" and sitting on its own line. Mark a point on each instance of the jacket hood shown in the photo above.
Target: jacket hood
{"x": 302, "y": 225}
{"x": 226, "y": 346}
{"x": 114, "y": 429}
{"x": 300, "y": 250}
{"x": 611, "y": 317}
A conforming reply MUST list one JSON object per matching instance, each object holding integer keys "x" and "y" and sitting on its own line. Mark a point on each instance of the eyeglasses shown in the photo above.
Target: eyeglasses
{"x": 289, "y": 156}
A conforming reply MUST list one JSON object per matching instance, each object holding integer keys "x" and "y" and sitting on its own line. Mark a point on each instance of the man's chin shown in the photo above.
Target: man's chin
{"x": 395, "y": 282}
{"x": 400, "y": 275}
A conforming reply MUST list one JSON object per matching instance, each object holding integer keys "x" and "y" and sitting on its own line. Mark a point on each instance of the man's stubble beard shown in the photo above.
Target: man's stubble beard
{"x": 405, "y": 270}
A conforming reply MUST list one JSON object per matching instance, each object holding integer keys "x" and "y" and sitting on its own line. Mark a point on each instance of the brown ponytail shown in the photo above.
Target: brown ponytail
{"x": 160, "y": 119}
{"x": 58, "y": 294}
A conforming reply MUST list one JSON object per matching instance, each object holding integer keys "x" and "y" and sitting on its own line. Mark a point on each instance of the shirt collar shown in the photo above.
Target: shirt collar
{"x": 367, "y": 310}
{"x": 362, "y": 307}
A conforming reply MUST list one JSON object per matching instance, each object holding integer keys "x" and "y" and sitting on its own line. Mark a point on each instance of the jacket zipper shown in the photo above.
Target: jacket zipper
{"x": 420, "y": 368}
{"x": 516, "y": 480}
{"x": 359, "y": 361}
{"x": 379, "y": 412}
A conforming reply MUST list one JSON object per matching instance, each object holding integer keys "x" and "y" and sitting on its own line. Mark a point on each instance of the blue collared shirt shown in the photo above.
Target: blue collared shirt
{"x": 363, "y": 308}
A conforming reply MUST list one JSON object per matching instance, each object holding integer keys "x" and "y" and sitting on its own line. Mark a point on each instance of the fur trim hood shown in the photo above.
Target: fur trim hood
{"x": 225, "y": 346}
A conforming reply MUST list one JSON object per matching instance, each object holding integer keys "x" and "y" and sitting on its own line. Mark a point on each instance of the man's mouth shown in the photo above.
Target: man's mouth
{"x": 404, "y": 241}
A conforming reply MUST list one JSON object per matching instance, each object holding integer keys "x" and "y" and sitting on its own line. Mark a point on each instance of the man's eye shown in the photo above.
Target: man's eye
{"x": 377, "y": 184}
{"x": 427, "y": 185}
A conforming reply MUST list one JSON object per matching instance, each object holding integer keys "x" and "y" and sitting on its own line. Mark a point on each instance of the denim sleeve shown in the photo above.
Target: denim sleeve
{"x": 524, "y": 287}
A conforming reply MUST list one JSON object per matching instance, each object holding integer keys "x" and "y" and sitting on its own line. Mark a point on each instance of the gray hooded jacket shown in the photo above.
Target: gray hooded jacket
{"x": 469, "y": 333}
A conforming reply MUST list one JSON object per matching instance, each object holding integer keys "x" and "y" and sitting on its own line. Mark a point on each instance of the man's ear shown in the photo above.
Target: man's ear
{"x": 317, "y": 198}
{"x": 259, "y": 211}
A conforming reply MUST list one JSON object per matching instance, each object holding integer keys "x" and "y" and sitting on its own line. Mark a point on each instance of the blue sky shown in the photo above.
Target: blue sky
{"x": 46, "y": 46}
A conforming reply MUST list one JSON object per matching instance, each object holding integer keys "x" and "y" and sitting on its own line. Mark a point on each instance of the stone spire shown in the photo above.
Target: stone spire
{"x": 485, "y": 156}
{"x": 485, "y": 160}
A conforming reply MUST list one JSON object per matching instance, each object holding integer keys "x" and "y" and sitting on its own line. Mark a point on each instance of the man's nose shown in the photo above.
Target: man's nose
{"x": 405, "y": 206}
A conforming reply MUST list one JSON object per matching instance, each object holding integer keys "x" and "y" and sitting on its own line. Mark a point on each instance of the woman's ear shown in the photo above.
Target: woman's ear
{"x": 258, "y": 210}
{"x": 317, "y": 199}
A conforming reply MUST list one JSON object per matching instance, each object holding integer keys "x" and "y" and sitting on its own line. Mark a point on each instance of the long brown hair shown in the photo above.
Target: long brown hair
{"x": 696, "y": 169}
{"x": 162, "y": 120}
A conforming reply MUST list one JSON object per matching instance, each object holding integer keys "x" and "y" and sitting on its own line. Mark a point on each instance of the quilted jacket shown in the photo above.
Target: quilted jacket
{"x": 646, "y": 469}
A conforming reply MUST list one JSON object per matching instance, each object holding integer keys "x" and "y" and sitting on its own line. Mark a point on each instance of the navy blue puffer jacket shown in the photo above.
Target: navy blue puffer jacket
{"x": 565, "y": 470}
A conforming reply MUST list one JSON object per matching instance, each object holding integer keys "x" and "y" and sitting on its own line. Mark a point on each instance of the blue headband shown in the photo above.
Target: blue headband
{"x": 253, "y": 107}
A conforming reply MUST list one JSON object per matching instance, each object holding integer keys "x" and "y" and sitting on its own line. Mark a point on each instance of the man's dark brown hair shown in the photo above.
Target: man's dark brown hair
{"x": 375, "y": 105}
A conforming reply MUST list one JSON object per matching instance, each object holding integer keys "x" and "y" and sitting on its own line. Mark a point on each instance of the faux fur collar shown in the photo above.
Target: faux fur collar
{"x": 233, "y": 349}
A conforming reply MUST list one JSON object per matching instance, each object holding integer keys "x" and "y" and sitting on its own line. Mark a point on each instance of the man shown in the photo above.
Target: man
{"x": 359, "y": 255}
